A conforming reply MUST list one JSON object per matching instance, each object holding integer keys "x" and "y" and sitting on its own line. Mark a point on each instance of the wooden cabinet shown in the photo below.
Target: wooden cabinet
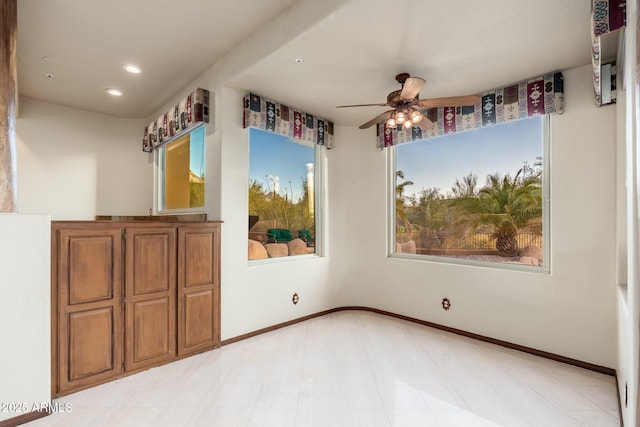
{"x": 129, "y": 296}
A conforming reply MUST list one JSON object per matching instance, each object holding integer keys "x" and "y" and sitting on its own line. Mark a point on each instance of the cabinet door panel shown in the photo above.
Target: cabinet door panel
{"x": 90, "y": 270}
{"x": 198, "y": 288}
{"x": 151, "y": 329}
{"x": 150, "y": 296}
{"x": 154, "y": 255}
{"x": 199, "y": 320}
{"x": 199, "y": 265}
{"x": 91, "y": 345}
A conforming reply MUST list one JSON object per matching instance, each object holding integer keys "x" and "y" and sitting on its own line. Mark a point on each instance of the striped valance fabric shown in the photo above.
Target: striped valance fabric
{"x": 541, "y": 95}
{"x": 607, "y": 16}
{"x": 271, "y": 116}
{"x": 189, "y": 112}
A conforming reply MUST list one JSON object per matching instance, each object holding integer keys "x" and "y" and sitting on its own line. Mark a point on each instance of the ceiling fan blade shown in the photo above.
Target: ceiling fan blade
{"x": 425, "y": 124}
{"x": 449, "y": 101}
{"x": 377, "y": 119}
{"x": 363, "y": 105}
{"x": 411, "y": 87}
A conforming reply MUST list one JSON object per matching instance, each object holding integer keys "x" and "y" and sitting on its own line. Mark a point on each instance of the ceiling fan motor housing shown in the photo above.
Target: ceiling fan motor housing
{"x": 402, "y": 77}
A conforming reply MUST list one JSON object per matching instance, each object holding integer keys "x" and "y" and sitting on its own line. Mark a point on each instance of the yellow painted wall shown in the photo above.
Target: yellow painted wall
{"x": 177, "y": 174}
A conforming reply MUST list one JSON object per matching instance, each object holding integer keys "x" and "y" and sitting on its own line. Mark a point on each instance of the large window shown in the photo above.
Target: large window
{"x": 475, "y": 197}
{"x": 282, "y": 196}
{"x": 180, "y": 175}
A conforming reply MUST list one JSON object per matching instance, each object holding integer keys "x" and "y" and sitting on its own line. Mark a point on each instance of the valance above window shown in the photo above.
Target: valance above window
{"x": 528, "y": 98}
{"x": 607, "y": 16}
{"x": 271, "y": 116}
{"x": 189, "y": 112}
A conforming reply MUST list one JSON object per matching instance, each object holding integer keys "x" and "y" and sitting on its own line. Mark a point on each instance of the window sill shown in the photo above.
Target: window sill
{"x": 508, "y": 266}
{"x": 276, "y": 260}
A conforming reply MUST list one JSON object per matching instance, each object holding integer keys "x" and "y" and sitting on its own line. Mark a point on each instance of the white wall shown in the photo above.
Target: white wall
{"x": 570, "y": 312}
{"x": 626, "y": 369}
{"x": 628, "y": 253}
{"x": 73, "y": 164}
{"x": 25, "y": 328}
{"x": 257, "y": 295}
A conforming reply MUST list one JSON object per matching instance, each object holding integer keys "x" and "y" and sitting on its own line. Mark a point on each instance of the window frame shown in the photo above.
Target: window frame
{"x": 319, "y": 186}
{"x": 545, "y": 268}
{"x": 157, "y": 170}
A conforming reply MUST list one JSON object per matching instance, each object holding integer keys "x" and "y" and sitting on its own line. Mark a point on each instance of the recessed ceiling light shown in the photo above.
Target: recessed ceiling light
{"x": 113, "y": 92}
{"x": 133, "y": 69}
{"x": 49, "y": 75}
{"x": 299, "y": 60}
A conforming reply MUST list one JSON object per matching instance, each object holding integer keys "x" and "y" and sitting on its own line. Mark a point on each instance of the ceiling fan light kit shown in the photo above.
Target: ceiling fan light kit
{"x": 416, "y": 116}
{"x": 403, "y": 101}
{"x": 406, "y": 118}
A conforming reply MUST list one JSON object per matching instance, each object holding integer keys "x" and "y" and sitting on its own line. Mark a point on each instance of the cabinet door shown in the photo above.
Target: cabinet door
{"x": 198, "y": 288}
{"x": 89, "y": 280}
{"x": 150, "y": 302}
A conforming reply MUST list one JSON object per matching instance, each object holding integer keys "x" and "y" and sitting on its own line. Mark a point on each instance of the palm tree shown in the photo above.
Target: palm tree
{"x": 464, "y": 208}
{"x": 401, "y": 214}
{"x": 465, "y": 188}
{"x": 507, "y": 205}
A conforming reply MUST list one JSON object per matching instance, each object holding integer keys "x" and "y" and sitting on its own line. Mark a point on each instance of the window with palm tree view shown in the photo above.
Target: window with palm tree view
{"x": 282, "y": 215}
{"x": 475, "y": 195}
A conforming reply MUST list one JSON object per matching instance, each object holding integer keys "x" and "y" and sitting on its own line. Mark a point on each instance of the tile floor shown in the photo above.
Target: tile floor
{"x": 351, "y": 368}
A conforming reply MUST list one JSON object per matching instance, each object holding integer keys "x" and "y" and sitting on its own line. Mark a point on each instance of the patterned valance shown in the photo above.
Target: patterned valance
{"x": 607, "y": 16}
{"x": 278, "y": 118}
{"x": 533, "y": 97}
{"x": 189, "y": 112}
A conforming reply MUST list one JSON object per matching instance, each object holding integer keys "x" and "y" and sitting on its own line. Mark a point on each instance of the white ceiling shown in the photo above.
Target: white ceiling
{"x": 352, "y": 49}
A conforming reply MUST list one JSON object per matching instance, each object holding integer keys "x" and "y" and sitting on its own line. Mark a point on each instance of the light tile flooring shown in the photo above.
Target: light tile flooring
{"x": 351, "y": 368}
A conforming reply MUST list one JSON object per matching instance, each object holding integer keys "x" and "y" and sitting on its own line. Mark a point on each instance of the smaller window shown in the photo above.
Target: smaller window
{"x": 181, "y": 173}
{"x": 282, "y": 195}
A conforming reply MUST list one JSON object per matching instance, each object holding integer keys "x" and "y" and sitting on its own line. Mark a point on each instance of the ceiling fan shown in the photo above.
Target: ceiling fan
{"x": 405, "y": 104}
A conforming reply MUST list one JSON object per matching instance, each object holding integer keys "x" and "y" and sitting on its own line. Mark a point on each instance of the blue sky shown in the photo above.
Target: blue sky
{"x": 275, "y": 155}
{"x": 433, "y": 162}
{"x": 196, "y": 151}
{"x": 437, "y": 162}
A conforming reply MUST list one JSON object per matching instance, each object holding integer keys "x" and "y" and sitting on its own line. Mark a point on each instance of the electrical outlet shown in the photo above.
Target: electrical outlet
{"x": 295, "y": 299}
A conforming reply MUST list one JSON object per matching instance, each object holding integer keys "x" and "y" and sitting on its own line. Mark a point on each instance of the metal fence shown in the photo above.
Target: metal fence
{"x": 442, "y": 240}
